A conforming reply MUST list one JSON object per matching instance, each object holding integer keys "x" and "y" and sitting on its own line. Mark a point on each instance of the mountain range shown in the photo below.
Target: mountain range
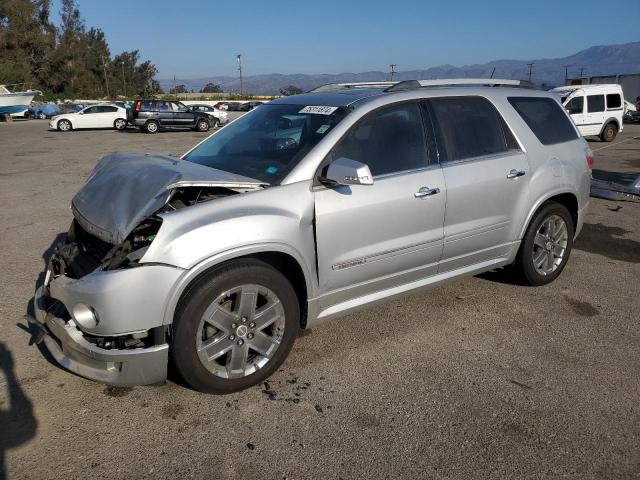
{"x": 598, "y": 60}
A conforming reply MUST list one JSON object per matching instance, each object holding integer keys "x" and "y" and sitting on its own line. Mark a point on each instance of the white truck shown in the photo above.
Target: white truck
{"x": 597, "y": 109}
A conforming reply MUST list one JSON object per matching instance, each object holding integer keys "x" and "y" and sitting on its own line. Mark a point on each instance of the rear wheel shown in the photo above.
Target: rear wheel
{"x": 215, "y": 123}
{"x": 64, "y": 125}
{"x": 202, "y": 125}
{"x": 42, "y": 116}
{"x": 120, "y": 124}
{"x": 235, "y": 327}
{"x": 546, "y": 245}
{"x": 609, "y": 133}
{"x": 151, "y": 127}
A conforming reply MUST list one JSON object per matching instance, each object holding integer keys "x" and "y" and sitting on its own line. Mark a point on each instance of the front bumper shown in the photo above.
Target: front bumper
{"x": 69, "y": 347}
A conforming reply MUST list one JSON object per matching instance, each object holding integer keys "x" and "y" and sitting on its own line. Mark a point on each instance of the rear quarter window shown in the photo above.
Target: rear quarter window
{"x": 545, "y": 118}
{"x": 614, "y": 101}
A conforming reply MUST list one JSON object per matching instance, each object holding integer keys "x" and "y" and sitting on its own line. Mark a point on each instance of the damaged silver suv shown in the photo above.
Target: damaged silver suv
{"x": 305, "y": 209}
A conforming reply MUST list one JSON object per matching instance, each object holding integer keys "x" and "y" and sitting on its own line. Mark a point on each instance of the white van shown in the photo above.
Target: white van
{"x": 600, "y": 113}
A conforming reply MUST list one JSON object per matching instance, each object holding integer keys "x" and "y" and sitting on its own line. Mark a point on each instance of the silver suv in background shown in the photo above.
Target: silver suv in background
{"x": 306, "y": 209}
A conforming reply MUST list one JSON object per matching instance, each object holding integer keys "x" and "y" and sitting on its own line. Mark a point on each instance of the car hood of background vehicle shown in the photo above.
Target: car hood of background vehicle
{"x": 125, "y": 188}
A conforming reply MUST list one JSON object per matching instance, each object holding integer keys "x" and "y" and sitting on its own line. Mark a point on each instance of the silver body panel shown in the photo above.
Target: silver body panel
{"x": 355, "y": 245}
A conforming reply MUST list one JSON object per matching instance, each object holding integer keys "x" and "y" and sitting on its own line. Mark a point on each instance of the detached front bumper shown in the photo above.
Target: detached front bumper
{"x": 69, "y": 347}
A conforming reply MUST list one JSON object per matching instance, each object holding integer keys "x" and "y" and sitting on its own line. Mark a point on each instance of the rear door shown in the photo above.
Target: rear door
{"x": 375, "y": 237}
{"x": 485, "y": 173}
{"x": 165, "y": 113}
{"x": 107, "y": 116}
{"x": 182, "y": 117}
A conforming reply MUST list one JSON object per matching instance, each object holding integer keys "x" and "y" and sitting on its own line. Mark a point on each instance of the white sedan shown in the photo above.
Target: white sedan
{"x": 94, "y": 116}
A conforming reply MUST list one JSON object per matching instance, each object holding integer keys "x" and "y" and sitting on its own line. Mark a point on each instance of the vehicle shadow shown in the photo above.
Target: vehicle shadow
{"x": 17, "y": 423}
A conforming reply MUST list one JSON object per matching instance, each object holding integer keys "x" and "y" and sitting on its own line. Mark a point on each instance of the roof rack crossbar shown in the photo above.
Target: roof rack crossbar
{"x": 330, "y": 87}
{"x": 448, "y": 82}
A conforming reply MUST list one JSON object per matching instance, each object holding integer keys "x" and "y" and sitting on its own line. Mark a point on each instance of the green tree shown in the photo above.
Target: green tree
{"x": 211, "y": 88}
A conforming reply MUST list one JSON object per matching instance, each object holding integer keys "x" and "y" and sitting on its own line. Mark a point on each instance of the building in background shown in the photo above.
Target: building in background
{"x": 630, "y": 83}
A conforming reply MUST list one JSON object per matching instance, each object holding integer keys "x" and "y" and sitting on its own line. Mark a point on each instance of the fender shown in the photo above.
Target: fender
{"x": 221, "y": 257}
{"x": 543, "y": 199}
{"x": 607, "y": 122}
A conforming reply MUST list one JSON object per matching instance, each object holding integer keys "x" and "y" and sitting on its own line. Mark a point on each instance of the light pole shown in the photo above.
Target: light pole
{"x": 393, "y": 70}
{"x": 240, "y": 69}
{"x": 530, "y": 65}
{"x": 124, "y": 83}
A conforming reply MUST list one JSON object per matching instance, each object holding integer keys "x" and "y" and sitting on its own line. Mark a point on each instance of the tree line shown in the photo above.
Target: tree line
{"x": 66, "y": 60}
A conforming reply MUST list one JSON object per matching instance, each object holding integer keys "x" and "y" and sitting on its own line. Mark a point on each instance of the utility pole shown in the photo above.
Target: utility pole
{"x": 530, "y": 65}
{"x": 124, "y": 83}
{"x": 393, "y": 70}
{"x": 240, "y": 69}
{"x": 492, "y": 72}
{"x": 581, "y": 72}
{"x": 566, "y": 73}
{"x": 106, "y": 80}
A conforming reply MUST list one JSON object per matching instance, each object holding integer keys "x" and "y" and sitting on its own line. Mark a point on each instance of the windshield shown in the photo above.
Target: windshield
{"x": 269, "y": 142}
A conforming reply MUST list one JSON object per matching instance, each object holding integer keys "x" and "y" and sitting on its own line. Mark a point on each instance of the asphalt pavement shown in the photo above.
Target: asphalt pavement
{"x": 481, "y": 378}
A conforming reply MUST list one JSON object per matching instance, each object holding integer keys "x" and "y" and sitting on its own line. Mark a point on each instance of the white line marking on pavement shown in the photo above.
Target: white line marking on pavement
{"x": 618, "y": 143}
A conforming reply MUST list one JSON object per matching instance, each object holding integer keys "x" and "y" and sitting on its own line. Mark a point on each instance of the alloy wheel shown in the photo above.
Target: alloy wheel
{"x": 240, "y": 331}
{"x": 550, "y": 244}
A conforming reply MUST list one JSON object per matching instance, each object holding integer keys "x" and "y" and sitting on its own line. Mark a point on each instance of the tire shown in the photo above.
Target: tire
{"x": 546, "y": 242}
{"x": 64, "y": 125}
{"x": 609, "y": 132}
{"x": 215, "y": 123}
{"x": 223, "y": 287}
{"x": 120, "y": 124}
{"x": 151, "y": 127}
{"x": 42, "y": 116}
{"x": 202, "y": 125}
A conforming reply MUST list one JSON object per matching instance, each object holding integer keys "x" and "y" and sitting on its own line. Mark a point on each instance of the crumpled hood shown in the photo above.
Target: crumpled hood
{"x": 125, "y": 188}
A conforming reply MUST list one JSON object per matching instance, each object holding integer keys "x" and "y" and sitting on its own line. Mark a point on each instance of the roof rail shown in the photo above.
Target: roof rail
{"x": 447, "y": 82}
{"x": 332, "y": 87}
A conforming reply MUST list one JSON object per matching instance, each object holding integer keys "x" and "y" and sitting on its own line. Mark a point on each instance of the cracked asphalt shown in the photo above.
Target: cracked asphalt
{"x": 480, "y": 378}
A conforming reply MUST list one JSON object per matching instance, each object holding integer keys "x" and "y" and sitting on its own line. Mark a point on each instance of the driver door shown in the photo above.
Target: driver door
{"x": 375, "y": 237}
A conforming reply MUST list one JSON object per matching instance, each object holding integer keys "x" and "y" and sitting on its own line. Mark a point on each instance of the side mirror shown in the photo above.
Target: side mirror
{"x": 345, "y": 171}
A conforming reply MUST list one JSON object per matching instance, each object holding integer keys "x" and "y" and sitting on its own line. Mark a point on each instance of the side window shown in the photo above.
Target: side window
{"x": 389, "y": 140}
{"x": 614, "y": 101}
{"x": 163, "y": 106}
{"x": 108, "y": 109}
{"x": 595, "y": 103}
{"x": 575, "y": 105}
{"x": 468, "y": 127}
{"x": 91, "y": 110}
{"x": 545, "y": 118}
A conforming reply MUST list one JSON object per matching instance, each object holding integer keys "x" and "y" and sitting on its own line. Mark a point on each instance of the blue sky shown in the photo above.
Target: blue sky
{"x": 201, "y": 38}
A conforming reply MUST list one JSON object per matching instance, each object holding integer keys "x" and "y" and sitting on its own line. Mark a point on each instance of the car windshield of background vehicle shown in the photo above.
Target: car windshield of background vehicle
{"x": 267, "y": 143}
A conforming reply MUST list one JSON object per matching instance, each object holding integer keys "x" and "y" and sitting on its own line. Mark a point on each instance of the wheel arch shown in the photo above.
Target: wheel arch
{"x": 286, "y": 262}
{"x": 566, "y": 198}
{"x": 609, "y": 120}
{"x": 64, "y": 119}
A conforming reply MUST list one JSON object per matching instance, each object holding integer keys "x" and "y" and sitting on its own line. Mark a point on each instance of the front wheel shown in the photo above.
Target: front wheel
{"x": 64, "y": 125}
{"x": 546, "y": 245}
{"x": 120, "y": 124}
{"x": 42, "y": 116}
{"x": 609, "y": 133}
{"x": 234, "y": 327}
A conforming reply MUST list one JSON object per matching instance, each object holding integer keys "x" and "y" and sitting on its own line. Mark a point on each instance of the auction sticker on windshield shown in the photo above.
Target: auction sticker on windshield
{"x": 318, "y": 110}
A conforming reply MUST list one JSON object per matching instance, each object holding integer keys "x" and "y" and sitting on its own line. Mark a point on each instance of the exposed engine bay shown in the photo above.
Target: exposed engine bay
{"x": 82, "y": 252}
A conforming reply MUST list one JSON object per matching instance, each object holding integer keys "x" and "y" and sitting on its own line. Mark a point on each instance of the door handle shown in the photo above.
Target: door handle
{"x": 426, "y": 192}
{"x": 516, "y": 173}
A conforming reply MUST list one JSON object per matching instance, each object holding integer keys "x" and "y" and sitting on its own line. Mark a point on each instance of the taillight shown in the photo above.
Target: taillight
{"x": 138, "y": 105}
{"x": 589, "y": 158}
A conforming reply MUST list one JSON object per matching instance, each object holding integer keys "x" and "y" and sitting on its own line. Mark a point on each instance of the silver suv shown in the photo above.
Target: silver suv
{"x": 306, "y": 209}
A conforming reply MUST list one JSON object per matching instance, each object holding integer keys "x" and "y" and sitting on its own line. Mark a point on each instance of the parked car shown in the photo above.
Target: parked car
{"x": 71, "y": 107}
{"x": 221, "y": 106}
{"x": 219, "y": 117}
{"x": 232, "y": 106}
{"x": 94, "y": 116}
{"x": 248, "y": 106}
{"x": 46, "y": 110}
{"x": 631, "y": 114}
{"x": 596, "y": 109}
{"x": 26, "y": 114}
{"x": 303, "y": 210}
{"x": 151, "y": 116}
